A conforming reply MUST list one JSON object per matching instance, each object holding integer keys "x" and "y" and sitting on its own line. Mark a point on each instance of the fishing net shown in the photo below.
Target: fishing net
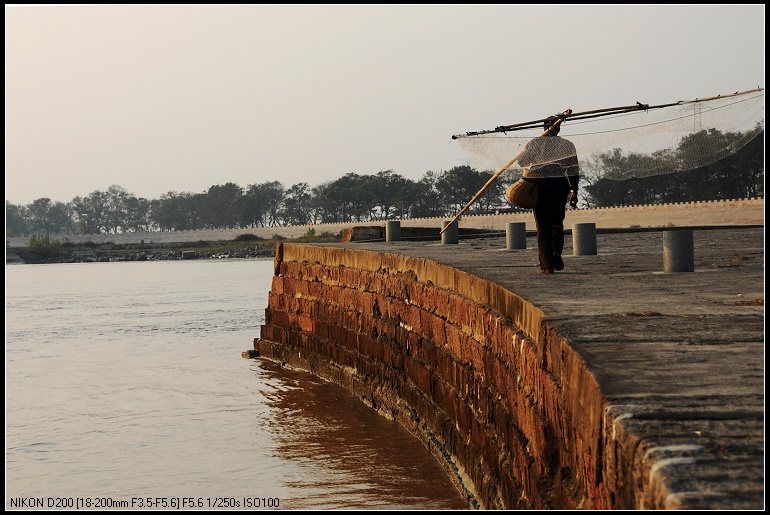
{"x": 633, "y": 141}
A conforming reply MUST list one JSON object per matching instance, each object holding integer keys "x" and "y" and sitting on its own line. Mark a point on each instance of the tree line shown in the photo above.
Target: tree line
{"x": 738, "y": 175}
{"x": 351, "y": 198}
{"x": 366, "y": 198}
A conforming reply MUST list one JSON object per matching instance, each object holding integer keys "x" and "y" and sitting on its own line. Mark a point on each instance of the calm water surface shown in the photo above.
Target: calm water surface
{"x": 125, "y": 381}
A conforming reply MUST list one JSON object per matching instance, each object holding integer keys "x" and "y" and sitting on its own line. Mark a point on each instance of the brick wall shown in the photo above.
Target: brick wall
{"x": 469, "y": 367}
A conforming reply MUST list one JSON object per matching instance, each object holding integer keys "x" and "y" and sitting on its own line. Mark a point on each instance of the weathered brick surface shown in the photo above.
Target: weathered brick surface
{"x": 446, "y": 353}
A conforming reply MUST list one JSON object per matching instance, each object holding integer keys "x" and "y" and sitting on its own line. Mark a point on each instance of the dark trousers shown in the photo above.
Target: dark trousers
{"x": 549, "y": 220}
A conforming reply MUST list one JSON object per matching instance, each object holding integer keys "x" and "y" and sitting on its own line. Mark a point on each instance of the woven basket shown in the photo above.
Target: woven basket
{"x": 523, "y": 193}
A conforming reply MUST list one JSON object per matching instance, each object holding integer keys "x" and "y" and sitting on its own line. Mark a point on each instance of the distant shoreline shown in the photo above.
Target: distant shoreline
{"x": 112, "y": 252}
{"x": 219, "y": 243}
{"x": 714, "y": 213}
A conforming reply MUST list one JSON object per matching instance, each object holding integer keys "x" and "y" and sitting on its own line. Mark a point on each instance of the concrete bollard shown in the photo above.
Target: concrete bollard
{"x": 678, "y": 253}
{"x": 516, "y": 235}
{"x": 584, "y": 239}
{"x": 451, "y": 234}
{"x": 393, "y": 230}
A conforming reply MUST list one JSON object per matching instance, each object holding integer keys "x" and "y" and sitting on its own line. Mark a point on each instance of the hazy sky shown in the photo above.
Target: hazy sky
{"x": 180, "y": 98}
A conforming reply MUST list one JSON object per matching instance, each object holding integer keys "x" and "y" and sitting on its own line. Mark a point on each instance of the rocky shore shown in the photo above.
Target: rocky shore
{"x": 109, "y": 252}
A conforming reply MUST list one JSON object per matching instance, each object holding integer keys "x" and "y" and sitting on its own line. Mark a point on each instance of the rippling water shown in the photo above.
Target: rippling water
{"x": 125, "y": 381}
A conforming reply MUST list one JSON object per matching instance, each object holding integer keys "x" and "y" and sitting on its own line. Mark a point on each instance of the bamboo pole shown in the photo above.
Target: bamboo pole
{"x": 500, "y": 172}
{"x": 533, "y": 123}
{"x": 599, "y": 112}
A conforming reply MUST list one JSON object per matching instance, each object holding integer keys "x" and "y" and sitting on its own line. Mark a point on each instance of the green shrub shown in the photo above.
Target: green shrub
{"x": 330, "y": 236}
{"x": 248, "y": 237}
{"x": 309, "y": 236}
{"x": 43, "y": 245}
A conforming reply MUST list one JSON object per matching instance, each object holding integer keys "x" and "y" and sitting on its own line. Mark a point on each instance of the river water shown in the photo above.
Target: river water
{"x": 125, "y": 388}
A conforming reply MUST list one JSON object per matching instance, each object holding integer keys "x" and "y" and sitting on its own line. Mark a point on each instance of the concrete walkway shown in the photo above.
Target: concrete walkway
{"x": 679, "y": 357}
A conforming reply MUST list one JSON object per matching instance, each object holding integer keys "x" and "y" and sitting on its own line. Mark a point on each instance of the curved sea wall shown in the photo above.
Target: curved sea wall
{"x": 467, "y": 366}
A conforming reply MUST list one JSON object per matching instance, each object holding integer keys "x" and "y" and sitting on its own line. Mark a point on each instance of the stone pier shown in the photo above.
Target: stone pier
{"x": 609, "y": 385}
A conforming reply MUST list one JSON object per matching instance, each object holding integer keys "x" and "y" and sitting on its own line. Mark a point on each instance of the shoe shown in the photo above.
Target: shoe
{"x": 558, "y": 263}
{"x": 547, "y": 271}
